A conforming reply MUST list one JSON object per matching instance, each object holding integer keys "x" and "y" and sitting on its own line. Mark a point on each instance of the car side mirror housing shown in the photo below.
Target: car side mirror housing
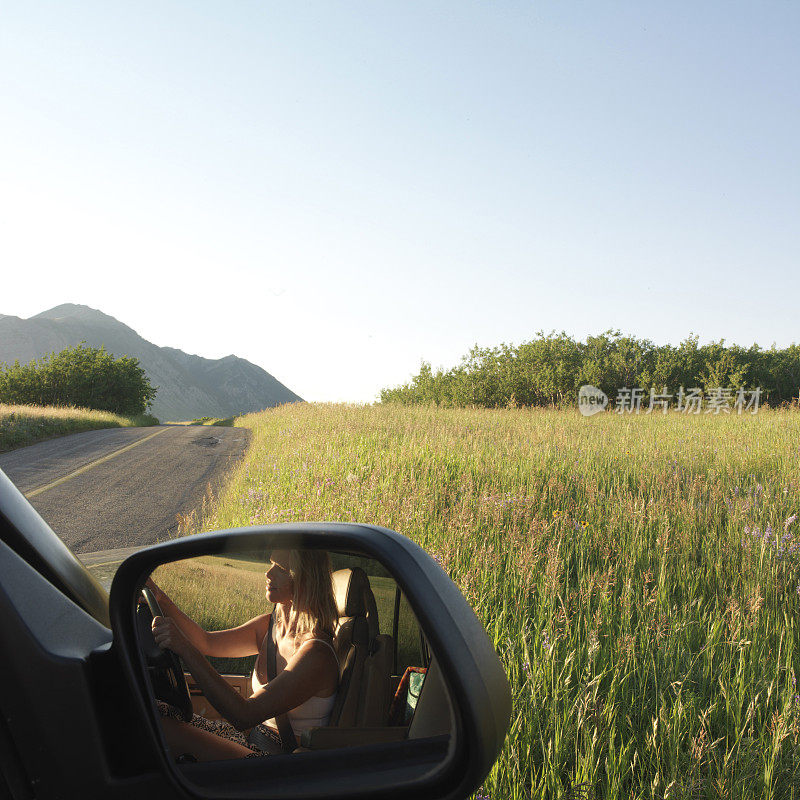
{"x": 440, "y": 741}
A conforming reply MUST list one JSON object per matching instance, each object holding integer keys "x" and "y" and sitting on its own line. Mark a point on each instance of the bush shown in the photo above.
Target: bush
{"x": 550, "y": 369}
{"x": 79, "y": 376}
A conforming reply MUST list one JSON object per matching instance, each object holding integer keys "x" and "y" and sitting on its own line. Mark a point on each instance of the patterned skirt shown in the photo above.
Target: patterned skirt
{"x": 224, "y": 729}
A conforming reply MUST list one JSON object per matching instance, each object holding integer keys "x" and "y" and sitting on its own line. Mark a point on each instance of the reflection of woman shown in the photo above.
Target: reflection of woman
{"x": 307, "y": 672}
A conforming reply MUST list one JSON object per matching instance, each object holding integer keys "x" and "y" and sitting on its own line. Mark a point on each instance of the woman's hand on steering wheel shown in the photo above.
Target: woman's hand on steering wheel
{"x": 163, "y": 663}
{"x": 168, "y": 636}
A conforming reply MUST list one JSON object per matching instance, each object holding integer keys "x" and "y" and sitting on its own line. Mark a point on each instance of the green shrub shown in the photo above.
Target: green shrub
{"x": 79, "y": 376}
{"x": 550, "y": 369}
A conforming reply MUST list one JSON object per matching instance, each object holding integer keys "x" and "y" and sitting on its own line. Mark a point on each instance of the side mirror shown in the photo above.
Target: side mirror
{"x": 422, "y": 703}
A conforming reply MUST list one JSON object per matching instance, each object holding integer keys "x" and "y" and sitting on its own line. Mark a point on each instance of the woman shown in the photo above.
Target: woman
{"x": 307, "y": 669}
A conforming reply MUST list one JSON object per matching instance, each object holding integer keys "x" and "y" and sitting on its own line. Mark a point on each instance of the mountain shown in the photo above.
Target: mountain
{"x": 188, "y": 386}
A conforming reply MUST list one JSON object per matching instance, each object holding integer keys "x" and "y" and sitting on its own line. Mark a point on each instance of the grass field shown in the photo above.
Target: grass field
{"x": 24, "y": 425}
{"x": 638, "y": 576}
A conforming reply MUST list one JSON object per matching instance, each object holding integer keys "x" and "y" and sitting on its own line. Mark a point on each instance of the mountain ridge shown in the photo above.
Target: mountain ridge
{"x": 189, "y": 385}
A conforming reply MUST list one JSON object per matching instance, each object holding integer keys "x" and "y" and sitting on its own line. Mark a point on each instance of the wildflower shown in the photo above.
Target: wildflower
{"x": 526, "y": 668}
{"x": 789, "y": 521}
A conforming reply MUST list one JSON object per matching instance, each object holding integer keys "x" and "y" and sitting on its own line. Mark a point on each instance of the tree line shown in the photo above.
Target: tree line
{"x": 81, "y": 376}
{"x": 550, "y": 369}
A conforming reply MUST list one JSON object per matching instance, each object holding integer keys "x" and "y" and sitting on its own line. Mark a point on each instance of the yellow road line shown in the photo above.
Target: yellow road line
{"x": 92, "y": 464}
{"x": 103, "y": 563}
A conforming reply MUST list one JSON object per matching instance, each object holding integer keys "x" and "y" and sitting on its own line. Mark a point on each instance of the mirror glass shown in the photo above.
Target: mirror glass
{"x": 280, "y": 652}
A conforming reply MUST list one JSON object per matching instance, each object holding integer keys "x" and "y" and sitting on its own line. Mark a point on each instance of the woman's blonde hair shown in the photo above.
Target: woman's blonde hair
{"x": 313, "y": 603}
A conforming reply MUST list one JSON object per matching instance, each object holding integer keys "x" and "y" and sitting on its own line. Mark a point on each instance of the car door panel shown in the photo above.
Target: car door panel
{"x": 63, "y": 699}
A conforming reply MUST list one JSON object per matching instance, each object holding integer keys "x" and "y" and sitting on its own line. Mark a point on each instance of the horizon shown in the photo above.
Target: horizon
{"x": 339, "y": 194}
{"x": 391, "y": 386}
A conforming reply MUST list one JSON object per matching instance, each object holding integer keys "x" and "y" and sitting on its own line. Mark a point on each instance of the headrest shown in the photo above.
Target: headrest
{"x": 350, "y": 587}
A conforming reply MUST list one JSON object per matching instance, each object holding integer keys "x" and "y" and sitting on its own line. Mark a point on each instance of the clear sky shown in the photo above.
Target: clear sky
{"x": 338, "y": 190}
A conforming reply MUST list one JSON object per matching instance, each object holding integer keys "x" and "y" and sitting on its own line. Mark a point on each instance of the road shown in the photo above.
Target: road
{"x": 123, "y": 487}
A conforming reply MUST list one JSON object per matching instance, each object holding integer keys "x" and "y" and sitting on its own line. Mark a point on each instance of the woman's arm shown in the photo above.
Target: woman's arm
{"x": 307, "y": 671}
{"x": 244, "y": 640}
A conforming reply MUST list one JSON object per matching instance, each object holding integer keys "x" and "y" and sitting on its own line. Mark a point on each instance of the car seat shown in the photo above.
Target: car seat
{"x": 365, "y": 663}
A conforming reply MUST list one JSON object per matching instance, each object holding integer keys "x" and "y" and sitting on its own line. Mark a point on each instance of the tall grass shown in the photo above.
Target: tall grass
{"x": 639, "y": 576}
{"x": 24, "y": 425}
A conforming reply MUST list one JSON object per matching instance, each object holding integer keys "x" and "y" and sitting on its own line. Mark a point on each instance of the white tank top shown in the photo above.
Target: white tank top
{"x": 314, "y": 712}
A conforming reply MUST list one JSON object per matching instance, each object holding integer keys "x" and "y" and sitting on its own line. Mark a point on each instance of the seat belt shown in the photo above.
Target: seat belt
{"x": 288, "y": 739}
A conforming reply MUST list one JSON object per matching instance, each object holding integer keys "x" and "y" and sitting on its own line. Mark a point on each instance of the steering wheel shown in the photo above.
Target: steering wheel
{"x": 163, "y": 666}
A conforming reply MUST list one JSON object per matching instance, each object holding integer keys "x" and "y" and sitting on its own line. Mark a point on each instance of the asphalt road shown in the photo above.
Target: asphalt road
{"x": 123, "y": 487}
